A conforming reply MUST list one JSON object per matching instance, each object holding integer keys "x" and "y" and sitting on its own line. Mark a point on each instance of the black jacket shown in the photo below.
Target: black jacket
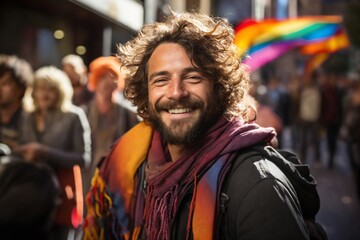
{"x": 257, "y": 201}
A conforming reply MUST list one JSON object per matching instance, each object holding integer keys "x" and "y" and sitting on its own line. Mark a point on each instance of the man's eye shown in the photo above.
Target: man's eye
{"x": 7, "y": 83}
{"x": 160, "y": 81}
{"x": 194, "y": 78}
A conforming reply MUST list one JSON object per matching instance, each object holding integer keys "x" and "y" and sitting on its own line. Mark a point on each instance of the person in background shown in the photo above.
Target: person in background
{"x": 108, "y": 119}
{"x": 266, "y": 117}
{"x": 174, "y": 175}
{"x": 262, "y": 114}
{"x": 25, "y": 211}
{"x": 309, "y": 118}
{"x": 29, "y": 197}
{"x": 57, "y": 134}
{"x": 74, "y": 66}
{"x": 293, "y": 88}
{"x": 119, "y": 97}
{"x": 277, "y": 99}
{"x": 16, "y": 75}
{"x": 331, "y": 113}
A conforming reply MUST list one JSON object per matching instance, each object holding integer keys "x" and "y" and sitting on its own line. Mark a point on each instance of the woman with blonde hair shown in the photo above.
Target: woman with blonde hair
{"x": 57, "y": 133}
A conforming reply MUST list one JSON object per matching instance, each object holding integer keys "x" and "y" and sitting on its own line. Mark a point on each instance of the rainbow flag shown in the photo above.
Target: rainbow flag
{"x": 314, "y": 62}
{"x": 332, "y": 44}
{"x": 264, "y": 41}
{"x": 320, "y": 51}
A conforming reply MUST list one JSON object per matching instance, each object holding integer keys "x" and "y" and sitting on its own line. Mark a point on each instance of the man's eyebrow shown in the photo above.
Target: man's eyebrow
{"x": 191, "y": 69}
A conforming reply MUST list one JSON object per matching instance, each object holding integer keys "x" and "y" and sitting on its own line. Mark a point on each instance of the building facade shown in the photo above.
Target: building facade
{"x": 44, "y": 31}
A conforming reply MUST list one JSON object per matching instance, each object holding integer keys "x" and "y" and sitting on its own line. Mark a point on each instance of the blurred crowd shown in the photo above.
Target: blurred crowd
{"x": 64, "y": 119}
{"x": 321, "y": 105}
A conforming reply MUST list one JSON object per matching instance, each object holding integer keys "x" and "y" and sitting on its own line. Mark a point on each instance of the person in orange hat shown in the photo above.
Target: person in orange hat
{"x": 108, "y": 118}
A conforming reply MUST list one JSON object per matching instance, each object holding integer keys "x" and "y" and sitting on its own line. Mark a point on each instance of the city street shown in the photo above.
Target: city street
{"x": 340, "y": 207}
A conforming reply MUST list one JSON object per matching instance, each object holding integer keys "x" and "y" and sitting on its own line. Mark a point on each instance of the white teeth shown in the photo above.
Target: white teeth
{"x": 179, "y": 110}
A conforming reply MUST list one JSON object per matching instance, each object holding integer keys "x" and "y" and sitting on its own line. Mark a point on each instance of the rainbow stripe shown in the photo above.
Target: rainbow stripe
{"x": 264, "y": 41}
{"x": 320, "y": 51}
{"x": 314, "y": 62}
{"x": 332, "y": 44}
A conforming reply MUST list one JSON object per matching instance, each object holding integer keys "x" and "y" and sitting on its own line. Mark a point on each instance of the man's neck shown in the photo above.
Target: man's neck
{"x": 176, "y": 151}
{"x": 7, "y": 112}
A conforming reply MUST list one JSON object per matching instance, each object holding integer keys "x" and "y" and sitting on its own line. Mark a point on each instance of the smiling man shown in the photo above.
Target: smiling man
{"x": 172, "y": 176}
{"x": 181, "y": 98}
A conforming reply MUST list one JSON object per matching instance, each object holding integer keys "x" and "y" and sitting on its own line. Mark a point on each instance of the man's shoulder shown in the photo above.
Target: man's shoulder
{"x": 251, "y": 171}
{"x": 265, "y": 168}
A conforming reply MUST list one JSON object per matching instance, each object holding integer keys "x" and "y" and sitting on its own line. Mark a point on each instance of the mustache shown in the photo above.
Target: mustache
{"x": 182, "y": 103}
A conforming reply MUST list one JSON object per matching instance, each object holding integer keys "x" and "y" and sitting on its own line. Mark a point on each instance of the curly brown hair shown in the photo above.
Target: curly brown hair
{"x": 19, "y": 69}
{"x": 209, "y": 43}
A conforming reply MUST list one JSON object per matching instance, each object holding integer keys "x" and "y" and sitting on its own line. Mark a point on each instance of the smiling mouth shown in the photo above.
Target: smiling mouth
{"x": 180, "y": 110}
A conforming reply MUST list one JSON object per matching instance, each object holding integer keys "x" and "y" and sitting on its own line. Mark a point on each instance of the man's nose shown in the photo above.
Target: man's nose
{"x": 177, "y": 89}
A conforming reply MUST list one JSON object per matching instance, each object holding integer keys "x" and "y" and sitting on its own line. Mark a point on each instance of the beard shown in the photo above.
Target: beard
{"x": 5, "y": 103}
{"x": 184, "y": 131}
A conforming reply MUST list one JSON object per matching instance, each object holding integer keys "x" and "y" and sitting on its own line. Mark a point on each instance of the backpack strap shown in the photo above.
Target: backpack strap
{"x": 205, "y": 201}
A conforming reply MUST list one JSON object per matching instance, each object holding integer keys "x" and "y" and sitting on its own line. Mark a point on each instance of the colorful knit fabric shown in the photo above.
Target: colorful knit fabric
{"x": 108, "y": 201}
